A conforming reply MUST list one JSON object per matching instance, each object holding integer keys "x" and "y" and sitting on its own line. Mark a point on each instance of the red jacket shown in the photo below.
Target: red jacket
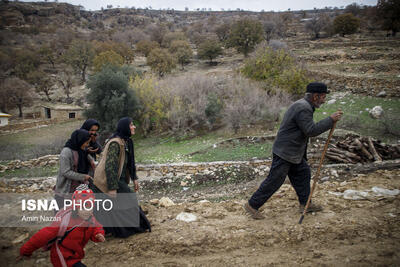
{"x": 71, "y": 247}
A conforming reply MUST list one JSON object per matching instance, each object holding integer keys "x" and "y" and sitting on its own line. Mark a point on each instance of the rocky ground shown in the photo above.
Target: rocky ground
{"x": 348, "y": 232}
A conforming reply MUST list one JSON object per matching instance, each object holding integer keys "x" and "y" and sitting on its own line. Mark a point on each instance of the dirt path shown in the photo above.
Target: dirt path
{"x": 346, "y": 233}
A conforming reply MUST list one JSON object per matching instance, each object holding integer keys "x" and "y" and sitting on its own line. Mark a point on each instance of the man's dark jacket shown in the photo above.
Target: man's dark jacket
{"x": 296, "y": 127}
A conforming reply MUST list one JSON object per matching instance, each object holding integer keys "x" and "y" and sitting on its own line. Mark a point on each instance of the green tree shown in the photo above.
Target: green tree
{"x": 389, "y": 11}
{"x": 80, "y": 56}
{"x": 182, "y": 51}
{"x": 245, "y": 35}
{"x": 144, "y": 47}
{"x": 209, "y": 49}
{"x": 161, "y": 61}
{"x": 346, "y": 24}
{"x": 110, "y": 97}
{"x": 276, "y": 68}
{"x": 107, "y": 58}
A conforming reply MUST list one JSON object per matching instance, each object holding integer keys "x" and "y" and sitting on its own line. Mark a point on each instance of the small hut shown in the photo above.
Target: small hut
{"x": 61, "y": 112}
{"x": 4, "y": 118}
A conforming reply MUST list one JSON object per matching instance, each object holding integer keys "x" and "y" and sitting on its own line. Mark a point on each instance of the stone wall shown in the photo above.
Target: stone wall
{"x": 29, "y": 124}
{"x": 152, "y": 171}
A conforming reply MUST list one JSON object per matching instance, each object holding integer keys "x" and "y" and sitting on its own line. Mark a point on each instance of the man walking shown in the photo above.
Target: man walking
{"x": 290, "y": 148}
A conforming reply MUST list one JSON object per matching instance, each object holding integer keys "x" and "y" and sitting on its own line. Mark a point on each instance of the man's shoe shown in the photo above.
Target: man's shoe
{"x": 311, "y": 208}
{"x": 255, "y": 214}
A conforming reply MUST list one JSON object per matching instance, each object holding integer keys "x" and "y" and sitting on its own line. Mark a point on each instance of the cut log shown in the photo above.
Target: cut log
{"x": 361, "y": 147}
{"x": 373, "y": 150}
{"x": 335, "y": 158}
{"x": 346, "y": 153}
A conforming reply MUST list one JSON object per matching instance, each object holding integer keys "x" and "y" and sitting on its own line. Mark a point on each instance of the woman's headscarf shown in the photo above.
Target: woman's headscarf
{"x": 78, "y": 138}
{"x": 89, "y": 123}
{"x": 124, "y": 132}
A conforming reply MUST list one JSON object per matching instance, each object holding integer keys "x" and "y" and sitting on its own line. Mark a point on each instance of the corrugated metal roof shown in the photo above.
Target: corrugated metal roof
{"x": 4, "y": 114}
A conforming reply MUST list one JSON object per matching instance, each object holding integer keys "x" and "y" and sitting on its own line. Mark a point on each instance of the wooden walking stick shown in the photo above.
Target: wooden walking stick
{"x": 316, "y": 176}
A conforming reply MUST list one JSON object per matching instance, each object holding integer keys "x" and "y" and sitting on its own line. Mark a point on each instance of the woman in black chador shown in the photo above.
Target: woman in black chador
{"x": 92, "y": 126}
{"x": 113, "y": 174}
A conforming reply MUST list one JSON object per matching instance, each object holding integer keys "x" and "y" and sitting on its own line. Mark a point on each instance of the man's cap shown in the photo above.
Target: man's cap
{"x": 320, "y": 88}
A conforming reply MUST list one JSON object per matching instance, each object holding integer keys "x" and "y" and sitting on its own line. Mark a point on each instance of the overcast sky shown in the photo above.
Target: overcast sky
{"x": 217, "y": 5}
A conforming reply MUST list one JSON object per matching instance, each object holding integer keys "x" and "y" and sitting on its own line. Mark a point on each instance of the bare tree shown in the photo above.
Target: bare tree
{"x": 269, "y": 29}
{"x": 42, "y": 83}
{"x": 66, "y": 79}
{"x": 318, "y": 24}
{"x": 17, "y": 93}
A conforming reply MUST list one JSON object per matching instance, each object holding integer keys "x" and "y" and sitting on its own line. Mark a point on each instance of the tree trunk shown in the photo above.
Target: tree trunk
{"x": 20, "y": 110}
{"x": 84, "y": 74}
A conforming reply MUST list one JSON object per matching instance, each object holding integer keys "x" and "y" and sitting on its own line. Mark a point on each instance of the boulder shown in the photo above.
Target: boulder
{"x": 376, "y": 112}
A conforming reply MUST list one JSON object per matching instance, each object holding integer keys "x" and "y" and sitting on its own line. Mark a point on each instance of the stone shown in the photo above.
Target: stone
{"x": 332, "y": 101}
{"x": 186, "y": 217}
{"x": 381, "y": 94}
{"x": 34, "y": 187}
{"x": 376, "y": 112}
{"x": 166, "y": 202}
{"x": 334, "y": 173}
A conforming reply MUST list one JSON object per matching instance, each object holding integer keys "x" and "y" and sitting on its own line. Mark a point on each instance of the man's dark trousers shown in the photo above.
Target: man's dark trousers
{"x": 299, "y": 176}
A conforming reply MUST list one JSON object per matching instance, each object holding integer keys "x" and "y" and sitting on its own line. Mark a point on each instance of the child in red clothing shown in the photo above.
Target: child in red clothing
{"x": 73, "y": 232}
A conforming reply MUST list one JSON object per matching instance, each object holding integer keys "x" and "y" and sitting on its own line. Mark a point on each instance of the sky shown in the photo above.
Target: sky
{"x": 217, "y": 5}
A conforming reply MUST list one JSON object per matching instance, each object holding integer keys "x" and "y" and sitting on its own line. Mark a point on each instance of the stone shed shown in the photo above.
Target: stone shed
{"x": 61, "y": 112}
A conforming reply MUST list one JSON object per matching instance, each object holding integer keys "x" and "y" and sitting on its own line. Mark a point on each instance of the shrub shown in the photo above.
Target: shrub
{"x": 191, "y": 102}
{"x": 152, "y": 110}
{"x": 213, "y": 108}
{"x": 248, "y": 104}
{"x": 277, "y": 68}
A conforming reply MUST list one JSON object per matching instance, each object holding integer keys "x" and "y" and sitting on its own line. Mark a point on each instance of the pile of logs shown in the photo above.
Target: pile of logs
{"x": 356, "y": 149}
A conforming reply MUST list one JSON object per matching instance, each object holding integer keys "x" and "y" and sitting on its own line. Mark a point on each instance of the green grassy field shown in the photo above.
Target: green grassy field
{"x": 356, "y": 118}
{"x": 165, "y": 150}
